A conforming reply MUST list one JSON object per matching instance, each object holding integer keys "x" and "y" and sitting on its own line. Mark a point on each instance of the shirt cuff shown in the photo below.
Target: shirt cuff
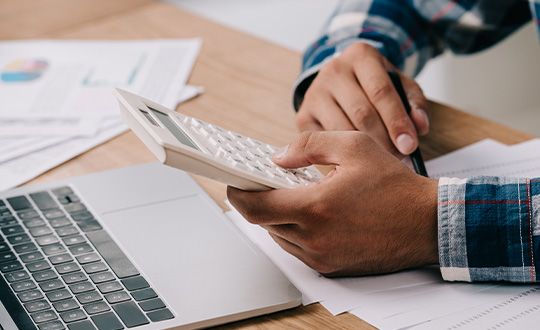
{"x": 452, "y": 231}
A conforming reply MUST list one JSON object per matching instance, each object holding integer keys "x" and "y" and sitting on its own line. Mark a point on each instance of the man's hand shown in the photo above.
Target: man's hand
{"x": 369, "y": 215}
{"x": 354, "y": 92}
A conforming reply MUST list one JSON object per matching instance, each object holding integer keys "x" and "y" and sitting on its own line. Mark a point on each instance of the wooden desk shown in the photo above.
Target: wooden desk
{"x": 248, "y": 90}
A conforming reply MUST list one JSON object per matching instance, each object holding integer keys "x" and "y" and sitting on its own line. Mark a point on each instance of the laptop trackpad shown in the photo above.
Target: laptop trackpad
{"x": 188, "y": 251}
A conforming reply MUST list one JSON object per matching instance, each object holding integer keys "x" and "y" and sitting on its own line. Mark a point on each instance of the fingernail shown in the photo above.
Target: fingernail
{"x": 405, "y": 144}
{"x": 424, "y": 115}
{"x": 280, "y": 153}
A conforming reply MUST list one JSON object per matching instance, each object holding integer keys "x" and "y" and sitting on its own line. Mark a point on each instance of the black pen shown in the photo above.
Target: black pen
{"x": 416, "y": 156}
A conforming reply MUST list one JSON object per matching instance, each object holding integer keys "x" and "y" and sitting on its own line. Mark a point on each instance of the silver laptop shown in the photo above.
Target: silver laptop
{"x": 140, "y": 247}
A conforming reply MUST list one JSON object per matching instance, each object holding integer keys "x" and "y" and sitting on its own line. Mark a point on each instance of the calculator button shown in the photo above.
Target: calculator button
{"x": 203, "y": 131}
{"x": 195, "y": 123}
{"x": 212, "y": 141}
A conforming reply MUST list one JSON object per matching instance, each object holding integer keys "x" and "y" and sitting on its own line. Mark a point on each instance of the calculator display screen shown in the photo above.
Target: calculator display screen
{"x": 174, "y": 129}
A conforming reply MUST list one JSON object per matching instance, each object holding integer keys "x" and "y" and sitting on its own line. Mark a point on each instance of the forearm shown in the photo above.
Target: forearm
{"x": 489, "y": 229}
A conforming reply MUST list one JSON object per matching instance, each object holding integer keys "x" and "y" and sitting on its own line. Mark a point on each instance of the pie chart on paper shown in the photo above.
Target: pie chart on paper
{"x": 23, "y": 70}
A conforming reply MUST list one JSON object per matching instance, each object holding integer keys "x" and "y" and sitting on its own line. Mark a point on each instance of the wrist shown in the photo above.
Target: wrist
{"x": 429, "y": 221}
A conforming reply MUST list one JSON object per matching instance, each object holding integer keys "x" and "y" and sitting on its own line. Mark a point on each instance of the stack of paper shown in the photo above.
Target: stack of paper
{"x": 56, "y": 98}
{"x": 418, "y": 298}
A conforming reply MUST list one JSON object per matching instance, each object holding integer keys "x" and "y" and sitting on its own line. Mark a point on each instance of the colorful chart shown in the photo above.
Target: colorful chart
{"x": 23, "y": 70}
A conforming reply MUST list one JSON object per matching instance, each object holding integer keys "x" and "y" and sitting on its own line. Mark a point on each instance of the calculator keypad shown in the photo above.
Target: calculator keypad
{"x": 246, "y": 153}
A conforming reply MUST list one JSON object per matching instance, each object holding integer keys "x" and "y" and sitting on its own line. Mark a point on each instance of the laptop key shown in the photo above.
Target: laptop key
{"x": 112, "y": 254}
{"x": 9, "y": 221}
{"x": 81, "y": 287}
{"x": 160, "y": 315}
{"x": 66, "y": 231}
{"x": 80, "y": 249}
{"x": 33, "y": 223}
{"x": 130, "y": 314}
{"x": 74, "y": 278}
{"x": 82, "y": 325}
{"x": 64, "y": 190}
{"x": 51, "y": 285}
{"x": 30, "y": 295}
{"x": 13, "y": 230}
{"x": 88, "y": 258}
{"x": 88, "y": 297}
{"x": 73, "y": 315}
{"x": 7, "y": 256}
{"x": 65, "y": 305}
{"x": 23, "y": 286}
{"x": 73, "y": 240}
{"x": 150, "y": 305}
{"x": 60, "y": 259}
{"x": 17, "y": 239}
{"x": 102, "y": 277}
{"x": 60, "y": 222}
{"x": 98, "y": 307}
{"x": 109, "y": 287}
{"x": 4, "y": 247}
{"x": 81, "y": 216}
{"x": 17, "y": 276}
{"x": 45, "y": 316}
{"x": 32, "y": 256}
{"x": 70, "y": 198}
{"x": 54, "y": 325}
{"x": 19, "y": 203}
{"x": 75, "y": 207}
{"x": 54, "y": 214}
{"x": 67, "y": 268}
{"x": 117, "y": 297}
{"x": 25, "y": 247}
{"x": 43, "y": 200}
{"x": 135, "y": 283}
{"x": 28, "y": 214}
{"x": 95, "y": 267}
{"x": 144, "y": 294}
{"x": 38, "y": 266}
{"x": 53, "y": 249}
{"x": 44, "y": 276}
{"x": 10, "y": 266}
{"x": 47, "y": 240}
{"x": 40, "y": 231}
{"x": 36, "y": 306}
{"x": 107, "y": 321}
{"x": 89, "y": 225}
{"x": 58, "y": 295}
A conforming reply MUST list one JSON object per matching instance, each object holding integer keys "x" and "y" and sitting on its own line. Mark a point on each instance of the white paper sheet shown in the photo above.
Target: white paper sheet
{"x": 516, "y": 310}
{"x": 19, "y": 170}
{"x": 54, "y": 78}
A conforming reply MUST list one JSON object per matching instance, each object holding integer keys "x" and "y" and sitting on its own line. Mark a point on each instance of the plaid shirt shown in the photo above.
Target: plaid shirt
{"x": 489, "y": 228}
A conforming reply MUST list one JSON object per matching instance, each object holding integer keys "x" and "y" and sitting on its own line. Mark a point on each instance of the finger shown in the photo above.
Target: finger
{"x": 289, "y": 247}
{"x": 271, "y": 207}
{"x": 323, "y": 148}
{"x": 306, "y": 122}
{"x": 322, "y": 107}
{"x": 289, "y": 232}
{"x": 373, "y": 77}
{"x": 419, "y": 104}
{"x": 361, "y": 113}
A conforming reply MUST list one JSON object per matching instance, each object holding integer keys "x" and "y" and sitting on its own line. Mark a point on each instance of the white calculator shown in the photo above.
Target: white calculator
{"x": 194, "y": 146}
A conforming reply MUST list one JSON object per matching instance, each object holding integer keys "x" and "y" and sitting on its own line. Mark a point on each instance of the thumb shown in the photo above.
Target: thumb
{"x": 320, "y": 147}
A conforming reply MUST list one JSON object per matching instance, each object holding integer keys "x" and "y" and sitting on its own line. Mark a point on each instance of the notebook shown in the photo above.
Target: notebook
{"x": 141, "y": 247}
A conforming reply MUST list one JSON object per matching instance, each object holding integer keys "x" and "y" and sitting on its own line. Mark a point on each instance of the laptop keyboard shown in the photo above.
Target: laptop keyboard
{"x": 61, "y": 269}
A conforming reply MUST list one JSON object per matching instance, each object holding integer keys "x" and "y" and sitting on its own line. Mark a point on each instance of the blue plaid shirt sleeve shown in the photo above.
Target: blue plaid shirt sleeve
{"x": 489, "y": 229}
{"x": 408, "y": 35}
